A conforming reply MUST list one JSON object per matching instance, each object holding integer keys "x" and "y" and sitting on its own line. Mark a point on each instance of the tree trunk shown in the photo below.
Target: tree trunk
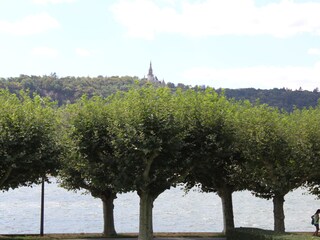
{"x": 5, "y": 176}
{"x": 278, "y": 213}
{"x": 108, "y": 224}
{"x": 145, "y": 221}
{"x": 227, "y": 209}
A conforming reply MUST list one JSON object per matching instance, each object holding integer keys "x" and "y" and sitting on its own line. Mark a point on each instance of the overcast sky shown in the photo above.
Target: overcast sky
{"x": 219, "y": 43}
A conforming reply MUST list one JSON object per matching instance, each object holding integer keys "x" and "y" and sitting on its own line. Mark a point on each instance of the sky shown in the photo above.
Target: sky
{"x": 234, "y": 44}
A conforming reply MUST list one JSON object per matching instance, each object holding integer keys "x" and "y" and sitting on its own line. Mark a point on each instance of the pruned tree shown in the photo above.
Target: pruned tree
{"x": 147, "y": 142}
{"x": 29, "y": 148}
{"x": 210, "y": 147}
{"x": 89, "y": 161}
{"x": 276, "y": 153}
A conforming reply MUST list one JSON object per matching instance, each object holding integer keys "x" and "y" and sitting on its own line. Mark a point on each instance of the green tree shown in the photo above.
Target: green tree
{"x": 29, "y": 149}
{"x": 147, "y": 143}
{"x": 309, "y": 120}
{"x": 210, "y": 147}
{"x": 89, "y": 161}
{"x": 275, "y": 150}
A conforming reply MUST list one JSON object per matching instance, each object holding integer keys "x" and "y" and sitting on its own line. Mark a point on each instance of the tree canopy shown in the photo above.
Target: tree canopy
{"x": 28, "y": 142}
{"x": 89, "y": 162}
{"x": 210, "y": 147}
{"x": 147, "y": 142}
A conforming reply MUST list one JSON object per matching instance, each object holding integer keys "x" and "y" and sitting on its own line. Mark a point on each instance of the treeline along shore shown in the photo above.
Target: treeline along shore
{"x": 151, "y": 137}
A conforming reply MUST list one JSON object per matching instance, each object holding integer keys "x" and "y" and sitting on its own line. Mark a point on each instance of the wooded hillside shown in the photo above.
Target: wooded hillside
{"x": 68, "y": 89}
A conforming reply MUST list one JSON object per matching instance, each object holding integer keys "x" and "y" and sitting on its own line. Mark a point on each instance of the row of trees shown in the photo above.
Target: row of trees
{"x": 150, "y": 139}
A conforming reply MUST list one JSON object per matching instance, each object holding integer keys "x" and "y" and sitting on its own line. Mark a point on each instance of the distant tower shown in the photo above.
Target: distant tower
{"x": 151, "y": 77}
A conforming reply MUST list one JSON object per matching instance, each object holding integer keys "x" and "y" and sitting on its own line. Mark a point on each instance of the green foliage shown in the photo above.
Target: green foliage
{"x": 309, "y": 122}
{"x": 126, "y": 142}
{"x": 147, "y": 139}
{"x": 89, "y": 161}
{"x": 210, "y": 144}
{"x": 69, "y": 89}
{"x": 280, "y": 98}
{"x": 273, "y": 145}
{"x": 28, "y": 142}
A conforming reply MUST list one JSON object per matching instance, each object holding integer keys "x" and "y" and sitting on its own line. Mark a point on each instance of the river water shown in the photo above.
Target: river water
{"x": 174, "y": 211}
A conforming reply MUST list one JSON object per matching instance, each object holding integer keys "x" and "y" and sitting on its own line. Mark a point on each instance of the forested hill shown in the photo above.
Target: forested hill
{"x": 282, "y": 98}
{"x": 68, "y": 89}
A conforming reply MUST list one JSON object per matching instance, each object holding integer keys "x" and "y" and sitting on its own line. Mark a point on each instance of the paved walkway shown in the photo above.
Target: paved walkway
{"x": 157, "y": 238}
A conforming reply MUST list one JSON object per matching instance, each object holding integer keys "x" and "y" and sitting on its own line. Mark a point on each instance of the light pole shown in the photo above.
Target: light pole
{"x": 42, "y": 208}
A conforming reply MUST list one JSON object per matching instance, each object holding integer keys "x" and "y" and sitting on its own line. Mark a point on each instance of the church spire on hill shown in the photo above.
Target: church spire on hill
{"x": 151, "y": 77}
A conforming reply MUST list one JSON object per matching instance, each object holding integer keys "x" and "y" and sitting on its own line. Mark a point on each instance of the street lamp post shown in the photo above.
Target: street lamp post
{"x": 42, "y": 208}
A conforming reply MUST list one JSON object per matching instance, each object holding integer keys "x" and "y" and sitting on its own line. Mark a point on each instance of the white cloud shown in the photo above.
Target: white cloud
{"x": 314, "y": 51}
{"x": 83, "y": 52}
{"x": 29, "y": 25}
{"x": 145, "y": 19}
{"x": 52, "y": 1}
{"x": 44, "y": 52}
{"x": 264, "y": 77}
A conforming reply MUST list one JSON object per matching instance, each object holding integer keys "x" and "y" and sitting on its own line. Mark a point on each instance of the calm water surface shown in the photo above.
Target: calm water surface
{"x": 174, "y": 211}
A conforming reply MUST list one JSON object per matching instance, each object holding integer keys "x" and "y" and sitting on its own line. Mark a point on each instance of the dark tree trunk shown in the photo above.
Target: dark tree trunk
{"x": 227, "y": 208}
{"x": 5, "y": 176}
{"x": 145, "y": 220}
{"x": 108, "y": 223}
{"x": 278, "y": 213}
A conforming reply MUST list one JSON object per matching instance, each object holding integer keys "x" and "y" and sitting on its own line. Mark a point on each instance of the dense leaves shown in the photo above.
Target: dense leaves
{"x": 90, "y": 156}
{"x": 28, "y": 142}
{"x": 309, "y": 121}
{"x": 148, "y": 138}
